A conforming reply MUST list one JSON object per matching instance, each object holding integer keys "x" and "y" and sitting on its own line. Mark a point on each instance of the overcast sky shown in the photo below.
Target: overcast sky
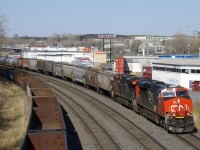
{"x": 126, "y": 17}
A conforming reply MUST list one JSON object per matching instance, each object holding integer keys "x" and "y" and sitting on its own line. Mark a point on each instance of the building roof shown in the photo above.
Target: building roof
{"x": 195, "y": 62}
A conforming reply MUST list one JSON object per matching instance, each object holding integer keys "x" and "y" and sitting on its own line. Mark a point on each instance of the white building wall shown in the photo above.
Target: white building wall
{"x": 182, "y": 79}
{"x": 54, "y": 56}
{"x": 167, "y": 77}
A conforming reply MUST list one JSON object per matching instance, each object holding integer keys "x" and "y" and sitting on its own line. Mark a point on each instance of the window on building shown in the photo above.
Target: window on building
{"x": 197, "y": 71}
{"x": 193, "y": 71}
{"x": 183, "y": 70}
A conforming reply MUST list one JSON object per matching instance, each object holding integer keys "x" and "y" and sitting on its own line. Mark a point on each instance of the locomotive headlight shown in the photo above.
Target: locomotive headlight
{"x": 174, "y": 115}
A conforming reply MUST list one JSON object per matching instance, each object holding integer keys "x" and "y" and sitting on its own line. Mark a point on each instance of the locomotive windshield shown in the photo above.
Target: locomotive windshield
{"x": 171, "y": 92}
{"x": 168, "y": 92}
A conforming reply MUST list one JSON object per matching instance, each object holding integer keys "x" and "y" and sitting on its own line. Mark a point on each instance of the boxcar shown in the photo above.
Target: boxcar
{"x": 57, "y": 70}
{"x": 79, "y": 73}
{"x": 90, "y": 77}
{"x": 41, "y": 65}
{"x": 49, "y": 67}
{"x": 32, "y": 64}
{"x": 25, "y": 62}
{"x": 68, "y": 71}
{"x": 45, "y": 140}
{"x": 104, "y": 79}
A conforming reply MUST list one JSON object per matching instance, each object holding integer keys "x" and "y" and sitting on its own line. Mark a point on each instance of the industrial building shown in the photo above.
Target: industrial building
{"x": 177, "y": 71}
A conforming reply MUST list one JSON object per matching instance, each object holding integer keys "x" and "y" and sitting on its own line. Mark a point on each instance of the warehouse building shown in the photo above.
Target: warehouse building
{"x": 177, "y": 71}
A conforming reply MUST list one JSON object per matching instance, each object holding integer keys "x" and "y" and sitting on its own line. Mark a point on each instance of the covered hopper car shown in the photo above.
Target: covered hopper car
{"x": 167, "y": 105}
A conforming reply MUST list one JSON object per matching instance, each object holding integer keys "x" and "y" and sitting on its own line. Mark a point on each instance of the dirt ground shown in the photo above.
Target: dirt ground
{"x": 13, "y": 114}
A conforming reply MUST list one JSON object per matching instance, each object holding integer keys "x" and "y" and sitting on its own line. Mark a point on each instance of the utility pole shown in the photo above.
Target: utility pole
{"x": 188, "y": 46}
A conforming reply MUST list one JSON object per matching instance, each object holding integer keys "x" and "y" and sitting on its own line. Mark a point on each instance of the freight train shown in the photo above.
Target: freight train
{"x": 46, "y": 127}
{"x": 167, "y": 105}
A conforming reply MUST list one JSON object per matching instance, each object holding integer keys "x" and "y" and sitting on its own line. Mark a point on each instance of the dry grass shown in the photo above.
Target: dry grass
{"x": 12, "y": 115}
{"x": 196, "y": 112}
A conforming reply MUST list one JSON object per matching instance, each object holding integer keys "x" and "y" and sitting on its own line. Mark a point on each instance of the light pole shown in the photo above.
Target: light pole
{"x": 147, "y": 51}
{"x": 188, "y": 46}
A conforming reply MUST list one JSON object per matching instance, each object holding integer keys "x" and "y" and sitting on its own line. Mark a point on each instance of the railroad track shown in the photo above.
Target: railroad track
{"x": 191, "y": 139}
{"x": 98, "y": 138}
{"x": 135, "y": 133}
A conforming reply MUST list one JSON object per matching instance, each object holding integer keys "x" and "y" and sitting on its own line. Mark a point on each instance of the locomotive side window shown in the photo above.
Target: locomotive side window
{"x": 183, "y": 93}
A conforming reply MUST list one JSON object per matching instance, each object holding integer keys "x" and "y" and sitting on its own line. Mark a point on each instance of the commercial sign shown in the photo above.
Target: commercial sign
{"x": 107, "y": 36}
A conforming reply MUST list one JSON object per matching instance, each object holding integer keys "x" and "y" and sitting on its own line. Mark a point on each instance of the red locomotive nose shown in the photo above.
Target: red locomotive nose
{"x": 178, "y": 107}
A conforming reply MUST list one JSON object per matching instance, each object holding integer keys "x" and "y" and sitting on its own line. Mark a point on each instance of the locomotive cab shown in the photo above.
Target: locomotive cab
{"x": 177, "y": 109}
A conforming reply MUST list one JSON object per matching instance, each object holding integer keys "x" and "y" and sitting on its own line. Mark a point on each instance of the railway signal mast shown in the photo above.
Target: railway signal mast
{"x": 108, "y": 36}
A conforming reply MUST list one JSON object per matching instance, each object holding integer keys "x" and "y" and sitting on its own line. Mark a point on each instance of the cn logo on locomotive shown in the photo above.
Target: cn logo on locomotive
{"x": 175, "y": 108}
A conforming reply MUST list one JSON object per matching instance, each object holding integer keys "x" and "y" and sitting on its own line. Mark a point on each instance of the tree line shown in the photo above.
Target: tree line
{"x": 178, "y": 44}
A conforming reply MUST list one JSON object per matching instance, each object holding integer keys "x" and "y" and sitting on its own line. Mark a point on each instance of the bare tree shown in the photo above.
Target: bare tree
{"x": 135, "y": 46}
